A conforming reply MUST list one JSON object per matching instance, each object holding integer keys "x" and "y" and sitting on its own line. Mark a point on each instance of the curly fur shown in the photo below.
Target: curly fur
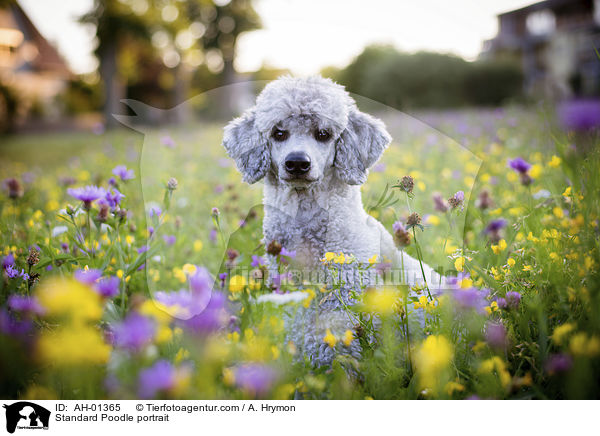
{"x": 324, "y": 216}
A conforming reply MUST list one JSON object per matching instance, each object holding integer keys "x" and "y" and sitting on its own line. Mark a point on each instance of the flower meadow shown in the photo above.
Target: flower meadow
{"x": 133, "y": 267}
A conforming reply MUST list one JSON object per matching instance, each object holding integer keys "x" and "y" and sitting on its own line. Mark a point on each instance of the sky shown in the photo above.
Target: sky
{"x": 306, "y": 35}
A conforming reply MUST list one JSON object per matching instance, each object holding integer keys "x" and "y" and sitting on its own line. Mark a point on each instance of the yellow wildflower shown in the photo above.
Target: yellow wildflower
{"x": 501, "y": 246}
{"x": 459, "y": 263}
{"x": 198, "y": 245}
{"x": 69, "y": 346}
{"x": 510, "y": 262}
{"x": 496, "y": 365}
{"x": 71, "y": 299}
{"x": 431, "y": 359}
{"x": 329, "y": 339}
{"x": 554, "y": 162}
{"x": 348, "y": 338}
{"x": 561, "y": 332}
{"x": 237, "y": 284}
{"x": 381, "y": 301}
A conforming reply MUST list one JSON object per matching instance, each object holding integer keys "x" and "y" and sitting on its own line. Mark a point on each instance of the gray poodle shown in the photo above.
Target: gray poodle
{"x": 313, "y": 147}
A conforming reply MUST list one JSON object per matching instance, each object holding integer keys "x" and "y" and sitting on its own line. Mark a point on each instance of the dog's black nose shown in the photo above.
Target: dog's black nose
{"x": 297, "y": 163}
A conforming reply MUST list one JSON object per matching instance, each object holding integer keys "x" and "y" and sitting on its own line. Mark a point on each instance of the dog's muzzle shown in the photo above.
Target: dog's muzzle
{"x": 297, "y": 163}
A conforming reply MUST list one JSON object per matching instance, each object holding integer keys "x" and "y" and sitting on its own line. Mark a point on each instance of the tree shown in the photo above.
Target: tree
{"x": 115, "y": 23}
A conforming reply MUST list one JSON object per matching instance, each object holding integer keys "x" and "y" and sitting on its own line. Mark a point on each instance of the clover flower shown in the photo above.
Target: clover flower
{"x": 87, "y": 195}
{"x": 495, "y": 335}
{"x": 484, "y": 200}
{"x": 413, "y": 220}
{"x": 274, "y": 248}
{"x": 401, "y": 234}
{"x": 172, "y": 184}
{"x": 123, "y": 173}
{"x": 407, "y": 184}
{"x": 13, "y": 188}
{"x": 457, "y": 200}
{"x": 513, "y": 299}
{"x": 439, "y": 203}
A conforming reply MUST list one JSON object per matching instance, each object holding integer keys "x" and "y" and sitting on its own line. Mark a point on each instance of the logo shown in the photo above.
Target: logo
{"x": 26, "y": 415}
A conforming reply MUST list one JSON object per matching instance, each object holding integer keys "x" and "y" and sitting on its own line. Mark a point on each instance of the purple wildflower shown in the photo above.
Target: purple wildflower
{"x": 159, "y": 377}
{"x": 142, "y": 249}
{"x": 519, "y": 165}
{"x": 13, "y": 327}
{"x": 213, "y": 235}
{"x": 495, "y": 335}
{"x": 87, "y": 194}
{"x": 512, "y": 299}
{"x": 255, "y": 379}
{"x": 21, "y": 303}
{"x": 378, "y": 168}
{"x": 558, "y": 363}
{"x": 88, "y": 277}
{"x": 134, "y": 332}
{"x": 9, "y": 260}
{"x": 169, "y": 239}
{"x": 222, "y": 277}
{"x": 257, "y": 261}
{"x": 212, "y": 318}
{"x": 108, "y": 287}
{"x": 287, "y": 253}
{"x": 470, "y": 298}
{"x": 579, "y": 115}
{"x": 495, "y": 225}
{"x": 439, "y": 203}
{"x": 192, "y": 302}
{"x": 12, "y": 272}
{"x": 154, "y": 210}
{"x": 457, "y": 200}
{"x": 494, "y": 228}
{"x": 167, "y": 141}
{"x": 123, "y": 173}
{"x": 113, "y": 198}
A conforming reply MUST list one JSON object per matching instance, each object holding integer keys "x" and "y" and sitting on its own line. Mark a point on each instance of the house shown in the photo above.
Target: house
{"x": 29, "y": 64}
{"x": 555, "y": 42}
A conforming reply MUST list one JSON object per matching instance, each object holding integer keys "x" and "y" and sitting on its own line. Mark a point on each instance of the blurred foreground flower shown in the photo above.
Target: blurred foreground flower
{"x": 432, "y": 358}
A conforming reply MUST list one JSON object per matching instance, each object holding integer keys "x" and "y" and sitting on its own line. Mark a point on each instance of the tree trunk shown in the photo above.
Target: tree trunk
{"x": 114, "y": 89}
{"x": 181, "y": 112}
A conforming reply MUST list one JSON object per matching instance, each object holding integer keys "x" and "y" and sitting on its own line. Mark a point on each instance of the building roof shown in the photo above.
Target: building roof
{"x": 45, "y": 58}
{"x": 547, "y": 4}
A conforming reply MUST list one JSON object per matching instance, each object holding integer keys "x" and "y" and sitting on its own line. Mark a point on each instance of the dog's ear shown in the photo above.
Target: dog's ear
{"x": 247, "y": 146}
{"x": 359, "y": 146}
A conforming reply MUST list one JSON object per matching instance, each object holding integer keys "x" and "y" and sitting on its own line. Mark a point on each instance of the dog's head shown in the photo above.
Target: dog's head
{"x": 302, "y": 130}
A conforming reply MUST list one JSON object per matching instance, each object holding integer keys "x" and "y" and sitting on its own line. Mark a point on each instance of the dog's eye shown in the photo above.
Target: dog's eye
{"x": 322, "y": 135}
{"x": 280, "y": 135}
